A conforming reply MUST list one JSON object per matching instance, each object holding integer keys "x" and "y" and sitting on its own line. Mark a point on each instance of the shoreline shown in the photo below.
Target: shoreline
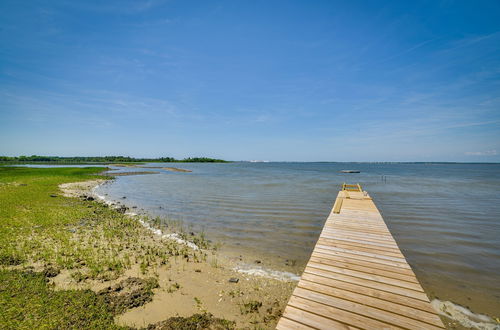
{"x": 214, "y": 285}
{"x": 245, "y": 262}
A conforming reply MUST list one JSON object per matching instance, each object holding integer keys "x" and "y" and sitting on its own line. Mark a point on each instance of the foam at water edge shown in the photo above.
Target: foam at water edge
{"x": 269, "y": 273}
{"x": 172, "y": 236}
{"x": 464, "y": 316}
{"x": 102, "y": 198}
{"x": 158, "y": 232}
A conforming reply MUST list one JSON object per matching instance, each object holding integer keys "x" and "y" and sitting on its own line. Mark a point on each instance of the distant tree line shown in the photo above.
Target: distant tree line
{"x": 106, "y": 159}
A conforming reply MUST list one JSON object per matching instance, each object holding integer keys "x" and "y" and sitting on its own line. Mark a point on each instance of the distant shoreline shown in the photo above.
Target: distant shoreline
{"x": 106, "y": 160}
{"x": 102, "y": 160}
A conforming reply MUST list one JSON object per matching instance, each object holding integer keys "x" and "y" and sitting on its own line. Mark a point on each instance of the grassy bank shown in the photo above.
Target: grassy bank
{"x": 39, "y": 225}
{"x": 69, "y": 262}
{"x": 44, "y": 234}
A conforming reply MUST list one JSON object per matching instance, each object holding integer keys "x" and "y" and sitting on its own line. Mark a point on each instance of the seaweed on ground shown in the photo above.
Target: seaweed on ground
{"x": 129, "y": 293}
{"x": 194, "y": 322}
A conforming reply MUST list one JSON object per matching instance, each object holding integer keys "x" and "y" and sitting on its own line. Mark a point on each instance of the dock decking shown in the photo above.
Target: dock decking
{"x": 357, "y": 278}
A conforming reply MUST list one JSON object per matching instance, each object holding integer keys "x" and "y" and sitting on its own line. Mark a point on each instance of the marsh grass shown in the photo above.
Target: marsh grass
{"x": 28, "y": 302}
{"x": 39, "y": 226}
{"x": 194, "y": 322}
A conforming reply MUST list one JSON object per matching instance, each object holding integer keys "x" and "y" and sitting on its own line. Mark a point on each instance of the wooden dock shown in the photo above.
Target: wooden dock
{"x": 357, "y": 278}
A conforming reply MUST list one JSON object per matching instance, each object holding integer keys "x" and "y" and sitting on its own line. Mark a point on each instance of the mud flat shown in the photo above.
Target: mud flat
{"x": 173, "y": 169}
{"x": 130, "y": 173}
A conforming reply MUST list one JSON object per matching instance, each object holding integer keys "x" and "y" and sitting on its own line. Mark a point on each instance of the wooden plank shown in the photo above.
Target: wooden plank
{"x": 353, "y": 222}
{"x": 338, "y": 205}
{"x": 367, "y": 276}
{"x": 384, "y": 239}
{"x": 357, "y": 241}
{"x": 405, "y": 311}
{"x": 349, "y": 234}
{"x": 362, "y": 229}
{"x": 361, "y": 247}
{"x": 363, "y": 258}
{"x": 357, "y": 276}
{"x": 367, "y": 283}
{"x": 356, "y": 262}
{"x": 368, "y": 270}
{"x": 396, "y": 298}
{"x": 360, "y": 253}
{"x": 286, "y": 323}
{"x": 361, "y": 309}
{"x": 310, "y": 320}
{"x": 360, "y": 243}
{"x": 337, "y": 314}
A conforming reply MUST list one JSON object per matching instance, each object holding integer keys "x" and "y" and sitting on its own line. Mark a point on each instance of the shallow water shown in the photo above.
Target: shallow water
{"x": 445, "y": 217}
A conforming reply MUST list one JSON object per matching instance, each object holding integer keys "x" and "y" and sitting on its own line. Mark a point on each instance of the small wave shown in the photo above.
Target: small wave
{"x": 101, "y": 197}
{"x": 178, "y": 239}
{"x": 269, "y": 273}
{"x": 171, "y": 236}
{"x": 464, "y": 316}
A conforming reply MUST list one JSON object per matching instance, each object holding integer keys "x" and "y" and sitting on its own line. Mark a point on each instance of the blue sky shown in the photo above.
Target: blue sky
{"x": 242, "y": 80}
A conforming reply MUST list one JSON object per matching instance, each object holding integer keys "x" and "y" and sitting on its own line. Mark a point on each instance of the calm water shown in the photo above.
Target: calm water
{"x": 445, "y": 217}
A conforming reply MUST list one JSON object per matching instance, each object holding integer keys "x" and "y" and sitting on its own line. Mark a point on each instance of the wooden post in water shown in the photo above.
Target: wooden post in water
{"x": 357, "y": 277}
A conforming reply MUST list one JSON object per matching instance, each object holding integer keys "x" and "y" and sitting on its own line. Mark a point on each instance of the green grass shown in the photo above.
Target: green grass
{"x": 28, "y": 210}
{"x": 41, "y": 228}
{"x": 28, "y": 302}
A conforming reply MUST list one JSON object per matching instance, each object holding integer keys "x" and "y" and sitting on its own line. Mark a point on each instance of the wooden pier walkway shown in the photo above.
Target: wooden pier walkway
{"x": 357, "y": 278}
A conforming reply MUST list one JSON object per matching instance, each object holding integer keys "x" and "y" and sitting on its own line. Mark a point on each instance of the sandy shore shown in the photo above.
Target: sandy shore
{"x": 210, "y": 284}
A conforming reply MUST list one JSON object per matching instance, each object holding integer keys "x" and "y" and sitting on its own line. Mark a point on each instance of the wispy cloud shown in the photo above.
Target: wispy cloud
{"x": 88, "y": 107}
{"x": 482, "y": 153}
{"x": 405, "y": 51}
{"x": 121, "y": 7}
{"x": 471, "y": 40}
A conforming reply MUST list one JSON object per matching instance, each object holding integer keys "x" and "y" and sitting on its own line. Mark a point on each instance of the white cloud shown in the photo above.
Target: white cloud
{"x": 482, "y": 153}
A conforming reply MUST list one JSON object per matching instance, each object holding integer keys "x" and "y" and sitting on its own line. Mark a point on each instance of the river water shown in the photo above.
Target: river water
{"x": 445, "y": 217}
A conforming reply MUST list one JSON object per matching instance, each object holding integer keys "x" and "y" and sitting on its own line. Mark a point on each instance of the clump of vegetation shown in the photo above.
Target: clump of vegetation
{"x": 199, "y": 305}
{"x": 10, "y": 259}
{"x": 252, "y": 306}
{"x": 174, "y": 287}
{"x": 129, "y": 293}
{"x": 51, "y": 271}
{"x": 200, "y": 240}
{"x": 194, "y": 322}
{"x": 236, "y": 293}
{"x": 273, "y": 313}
